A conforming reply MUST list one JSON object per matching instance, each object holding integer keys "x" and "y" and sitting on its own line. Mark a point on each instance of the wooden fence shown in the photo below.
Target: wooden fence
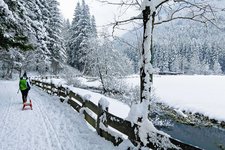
{"x": 45, "y": 77}
{"x": 123, "y": 126}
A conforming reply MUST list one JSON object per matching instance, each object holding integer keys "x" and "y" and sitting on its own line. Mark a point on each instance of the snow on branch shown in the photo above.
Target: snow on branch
{"x": 5, "y": 10}
{"x": 121, "y": 3}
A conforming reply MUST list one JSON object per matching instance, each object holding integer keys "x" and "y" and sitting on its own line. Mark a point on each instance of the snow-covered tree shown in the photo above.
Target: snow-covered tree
{"x": 11, "y": 33}
{"x": 194, "y": 65}
{"x": 55, "y": 44}
{"x": 83, "y": 29}
{"x": 217, "y": 69}
{"x": 65, "y": 30}
{"x": 36, "y": 18}
{"x": 13, "y": 36}
{"x": 107, "y": 63}
{"x": 93, "y": 27}
{"x": 26, "y": 24}
{"x": 74, "y": 39}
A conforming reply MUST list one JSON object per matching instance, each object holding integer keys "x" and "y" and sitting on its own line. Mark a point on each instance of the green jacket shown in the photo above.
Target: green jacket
{"x": 23, "y": 84}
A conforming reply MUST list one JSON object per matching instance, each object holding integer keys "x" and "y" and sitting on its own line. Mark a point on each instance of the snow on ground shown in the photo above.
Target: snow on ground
{"x": 194, "y": 93}
{"x": 50, "y": 125}
{"x": 89, "y": 83}
{"x": 116, "y": 107}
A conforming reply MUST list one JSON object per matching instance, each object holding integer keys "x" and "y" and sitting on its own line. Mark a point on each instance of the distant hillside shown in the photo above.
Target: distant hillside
{"x": 183, "y": 45}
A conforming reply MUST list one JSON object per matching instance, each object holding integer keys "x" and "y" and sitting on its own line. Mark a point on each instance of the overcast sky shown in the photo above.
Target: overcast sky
{"x": 104, "y": 14}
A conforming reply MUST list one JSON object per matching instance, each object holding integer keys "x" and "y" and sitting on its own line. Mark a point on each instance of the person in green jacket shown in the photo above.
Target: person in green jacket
{"x": 24, "y": 86}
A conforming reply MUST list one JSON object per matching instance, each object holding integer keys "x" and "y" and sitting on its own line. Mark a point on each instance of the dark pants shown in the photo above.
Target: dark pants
{"x": 24, "y": 95}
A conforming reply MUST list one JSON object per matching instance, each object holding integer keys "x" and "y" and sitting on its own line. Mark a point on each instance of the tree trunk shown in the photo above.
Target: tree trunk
{"x": 146, "y": 70}
{"x": 101, "y": 77}
{"x": 143, "y": 71}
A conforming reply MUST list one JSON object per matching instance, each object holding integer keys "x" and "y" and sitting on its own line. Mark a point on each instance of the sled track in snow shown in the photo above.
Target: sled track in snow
{"x": 8, "y": 117}
{"x": 47, "y": 122}
{"x": 5, "y": 116}
{"x": 48, "y": 126}
{"x": 18, "y": 127}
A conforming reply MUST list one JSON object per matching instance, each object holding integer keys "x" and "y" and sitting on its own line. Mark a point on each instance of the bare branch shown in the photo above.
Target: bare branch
{"x": 160, "y": 4}
{"x": 119, "y": 3}
{"x": 127, "y": 43}
{"x": 176, "y": 18}
{"x": 122, "y": 22}
{"x": 196, "y": 11}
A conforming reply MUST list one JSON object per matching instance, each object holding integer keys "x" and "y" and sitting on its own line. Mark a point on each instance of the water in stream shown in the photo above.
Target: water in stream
{"x": 208, "y": 138}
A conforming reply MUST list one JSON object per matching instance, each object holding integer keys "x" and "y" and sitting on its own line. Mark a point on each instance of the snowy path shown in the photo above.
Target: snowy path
{"x": 51, "y": 125}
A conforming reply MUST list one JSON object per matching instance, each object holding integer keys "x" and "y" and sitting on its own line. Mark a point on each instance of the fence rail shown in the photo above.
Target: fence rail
{"x": 123, "y": 126}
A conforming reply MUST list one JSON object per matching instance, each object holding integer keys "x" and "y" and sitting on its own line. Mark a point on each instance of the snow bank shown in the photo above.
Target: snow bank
{"x": 204, "y": 94}
{"x": 115, "y": 107}
{"x": 194, "y": 93}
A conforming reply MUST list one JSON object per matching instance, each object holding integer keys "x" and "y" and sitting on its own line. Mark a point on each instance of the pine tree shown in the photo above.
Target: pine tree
{"x": 55, "y": 44}
{"x": 13, "y": 36}
{"x": 73, "y": 41}
{"x": 93, "y": 27}
{"x": 82, "y": 30}
{"x": 37, "y": 60}
{"x": 65, "y": 30}
{"x": 11, "y": 33}
{"x": 65, "y": 37}
{"x": 194, "y": 65}
{"x": 85, "y": 35}
{"x": 31, "y": 21}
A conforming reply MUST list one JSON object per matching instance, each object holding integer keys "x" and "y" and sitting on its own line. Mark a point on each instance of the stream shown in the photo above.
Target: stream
{"x": 208, "y": 138}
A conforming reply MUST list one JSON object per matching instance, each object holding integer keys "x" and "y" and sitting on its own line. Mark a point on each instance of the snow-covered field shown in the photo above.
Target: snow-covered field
{"x": 194, "y": 93}
{"x": 50, "y": 125}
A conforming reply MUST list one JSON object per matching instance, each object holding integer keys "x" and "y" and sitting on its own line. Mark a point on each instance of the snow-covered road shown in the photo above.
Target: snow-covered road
{"x": 51, "y": 125}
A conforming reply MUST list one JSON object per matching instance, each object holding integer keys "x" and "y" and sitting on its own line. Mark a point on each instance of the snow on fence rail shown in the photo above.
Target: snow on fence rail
{"x": 57, "y": 77}
{"x": 105, "y": 119}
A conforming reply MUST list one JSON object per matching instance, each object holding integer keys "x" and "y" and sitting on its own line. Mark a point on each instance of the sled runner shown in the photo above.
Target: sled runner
{"x": 26, "y": 104}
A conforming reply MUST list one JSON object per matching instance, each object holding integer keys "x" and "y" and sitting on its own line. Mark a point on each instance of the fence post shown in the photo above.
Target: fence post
{"x": 101, "y": 118}
{"x": 51, "y": 89}
{"x": 58, "y": 90}
{"x": 43, "y": 86}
